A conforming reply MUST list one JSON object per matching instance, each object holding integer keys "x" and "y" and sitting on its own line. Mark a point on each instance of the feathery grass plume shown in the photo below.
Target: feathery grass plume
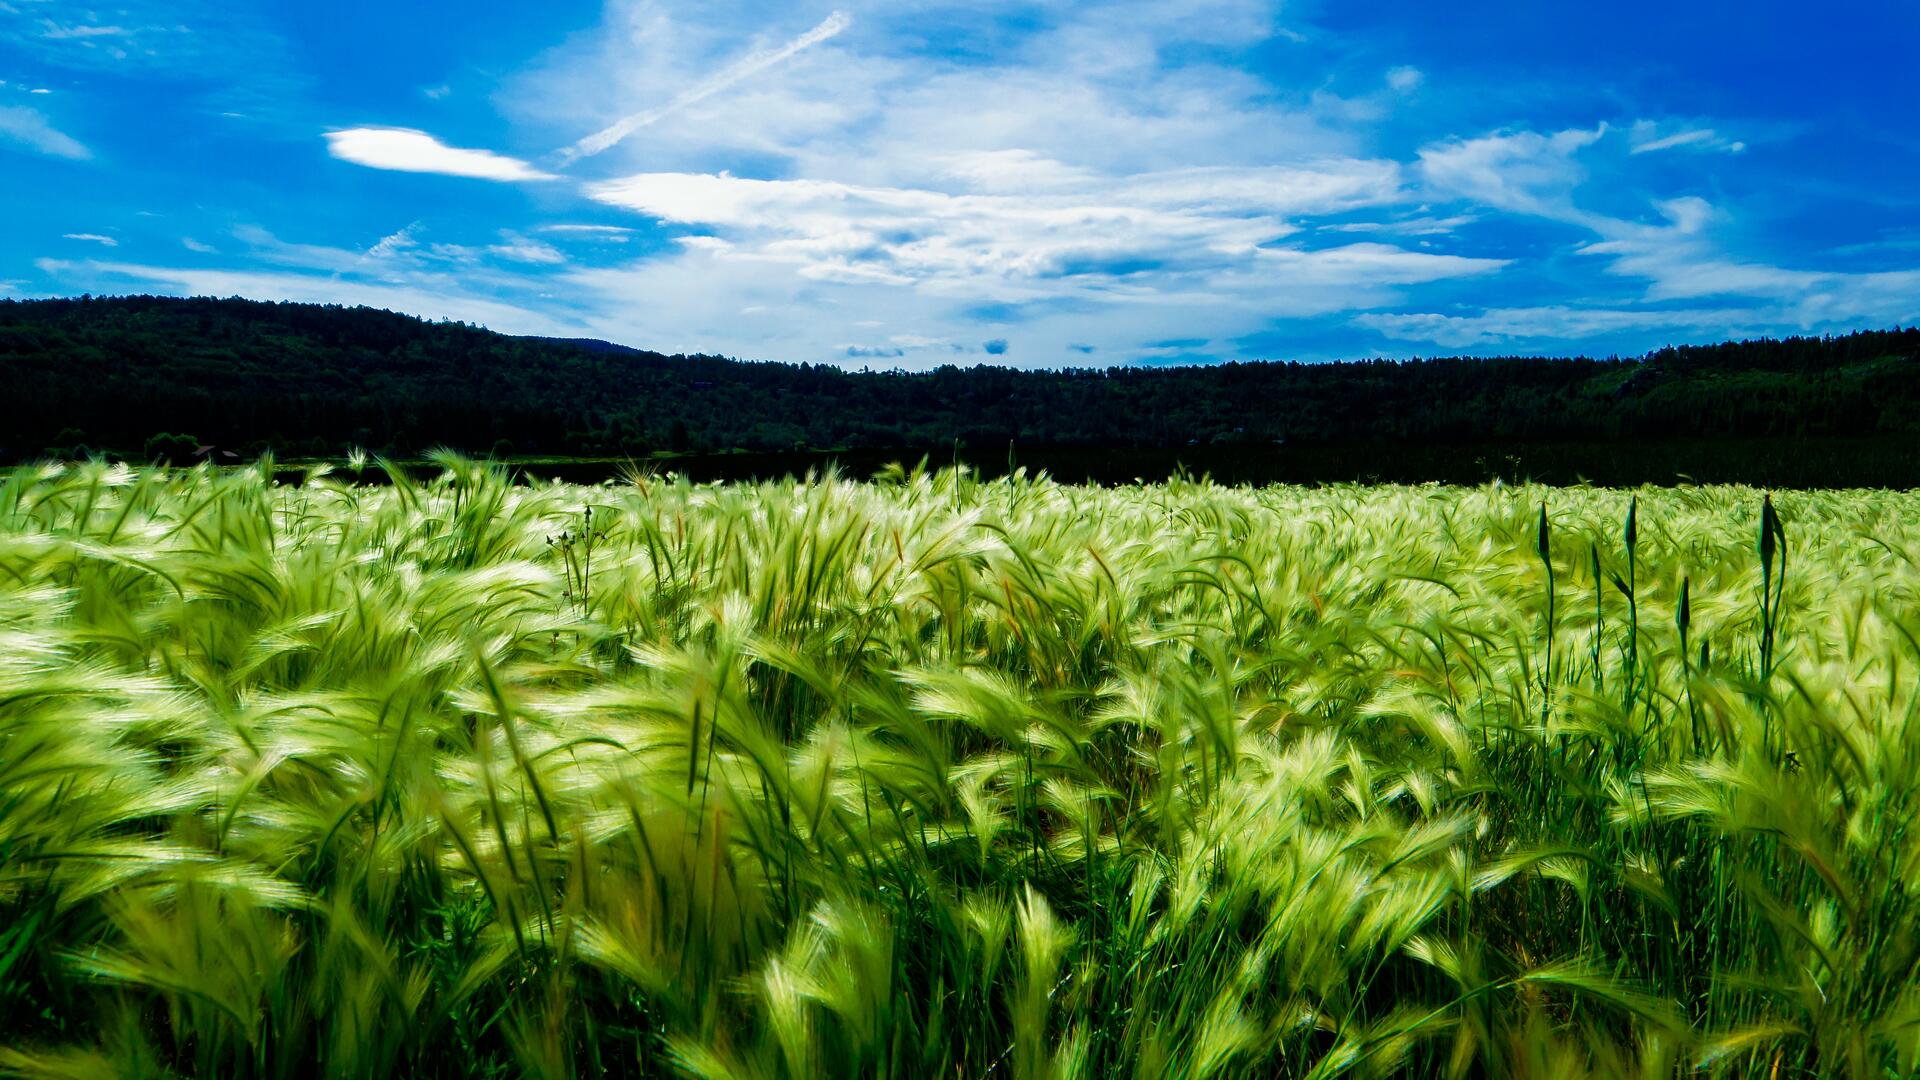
{"x": 939, "y": 776}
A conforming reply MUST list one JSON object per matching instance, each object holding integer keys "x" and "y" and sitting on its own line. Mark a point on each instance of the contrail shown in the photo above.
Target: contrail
{"x": 743, "y": 68}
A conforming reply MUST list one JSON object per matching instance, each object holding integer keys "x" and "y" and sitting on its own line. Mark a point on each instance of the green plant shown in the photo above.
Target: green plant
{"x": 937, "y": 776}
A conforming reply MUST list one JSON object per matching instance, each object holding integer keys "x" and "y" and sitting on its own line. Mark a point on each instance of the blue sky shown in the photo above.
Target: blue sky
{"x": 911, "y": 183}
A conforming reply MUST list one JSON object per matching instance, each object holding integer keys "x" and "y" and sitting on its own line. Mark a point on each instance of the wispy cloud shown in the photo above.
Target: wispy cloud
{"x": 1134, "y": 181}
{"x": 54, "y": 31}
{"x": 516, "y": 248}
{"x": 407, "y": 150}
{"x": 1678, "y": 259}
{"x": 737, "y": 72}
{"x": 1520, "y": 171}
{"x": 406, "y": 257}
{"x": 1119, "y": 234}
{"x": 440, "y": 299}
{"x": 1559, "y": 322}
{"x": 1646, "y": 138}
{"x": 614, "y": 234}
{"x": 1681, "y": 262}
{"x": 1064, "y": 187}
{"x": 263, "y": 246}
{"x": 394, "y": 243}
{"x": 92, "y": 238}
{"x": 28, "y": 128}
{"x": 223, "y": 53}
{"x": 1421, "y": 225}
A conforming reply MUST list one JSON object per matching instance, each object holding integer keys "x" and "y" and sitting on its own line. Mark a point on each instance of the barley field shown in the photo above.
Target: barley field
{"x": 925, "y": 776}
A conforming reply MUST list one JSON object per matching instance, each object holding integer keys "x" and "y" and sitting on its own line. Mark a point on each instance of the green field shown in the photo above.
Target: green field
{"x": 927, "y": 776}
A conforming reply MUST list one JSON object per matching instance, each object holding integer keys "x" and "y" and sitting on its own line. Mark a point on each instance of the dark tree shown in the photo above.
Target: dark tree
{"x": 320, "y": 380}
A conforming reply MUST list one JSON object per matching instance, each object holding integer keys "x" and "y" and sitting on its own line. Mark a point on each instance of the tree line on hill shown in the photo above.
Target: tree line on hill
{"x": 168, "y": 377}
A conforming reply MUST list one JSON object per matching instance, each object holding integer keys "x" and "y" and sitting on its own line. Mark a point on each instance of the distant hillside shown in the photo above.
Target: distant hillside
{"x": 114, "y": 373}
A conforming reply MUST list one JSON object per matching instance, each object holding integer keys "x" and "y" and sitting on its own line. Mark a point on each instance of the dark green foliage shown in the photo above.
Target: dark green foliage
{"x": 308, "y": 378}
{"x": 174, "y": 449}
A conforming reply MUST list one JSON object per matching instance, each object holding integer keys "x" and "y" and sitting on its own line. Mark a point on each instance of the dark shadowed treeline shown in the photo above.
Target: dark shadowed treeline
{"x": 134, "y": 374}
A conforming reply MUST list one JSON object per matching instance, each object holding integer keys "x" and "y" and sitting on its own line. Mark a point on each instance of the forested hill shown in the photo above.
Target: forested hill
{"x": 114, "y": 373}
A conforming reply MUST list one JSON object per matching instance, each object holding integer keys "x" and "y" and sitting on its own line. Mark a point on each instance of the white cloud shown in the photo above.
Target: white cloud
{"x": 1010, "y": 171}
{"x": 1681, "y": 262}
{"x": 25, "y": 126}
{"x": 1519, "y": 325}
{"x": 1380, "y": 264}
{"x": 1678, "y": 259}
{"x": 800, "y": 268}
{"x": 1646, "y": 138}
{"x": 442, "y": 299}
{"x": 196, "y": 246}
{"x": 1117, "y": 236}
{"x": 266, "y": 247}
{"x": 216, "y": 51}
{"x": 92, "y": 238}
{"x": 1314, "y": 187}
{"x": 80, "y": 32}
{"x": 731, "y": 75}
{"x": 1102, "y": 176}
{"x": 1521, "y": 171}
{"x": 407, "y": 150}
{"x": 394, "y": 243}
{"x": 1684, "y": 138}
{"x": 881, "y": 105}
{"x": 1422, "y": 225}
{"x": 707, "y": 300}
{"x": 517, "y": 248}
{"x": 1065, "y": 186}
{"x": 613, "y": 234}
{"x": 403, "y": 258}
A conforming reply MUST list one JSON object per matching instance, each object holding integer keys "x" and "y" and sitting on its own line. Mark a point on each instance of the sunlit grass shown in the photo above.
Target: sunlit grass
{"x": 928, "y": 776}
